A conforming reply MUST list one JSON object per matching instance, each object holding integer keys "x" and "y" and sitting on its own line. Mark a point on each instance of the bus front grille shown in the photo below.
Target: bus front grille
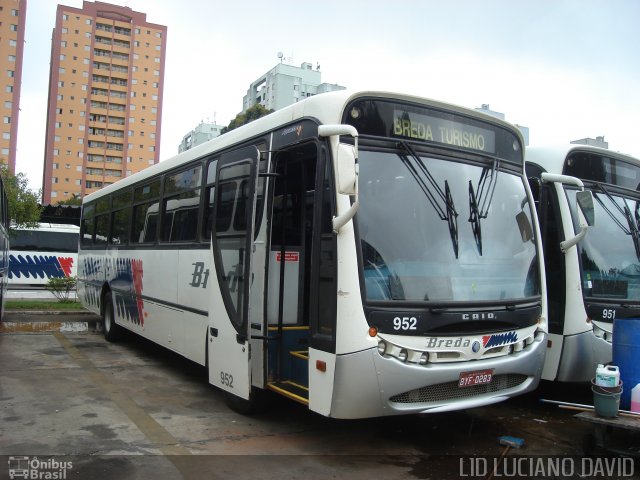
{"x": 445, "y": 392}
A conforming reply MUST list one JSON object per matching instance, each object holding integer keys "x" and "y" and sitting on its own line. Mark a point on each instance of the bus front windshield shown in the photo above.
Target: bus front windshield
{"x": 442, "y": 249}
{"x": 610, "y": 263}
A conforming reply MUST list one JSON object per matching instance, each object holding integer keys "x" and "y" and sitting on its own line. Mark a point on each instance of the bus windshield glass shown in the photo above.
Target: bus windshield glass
{"x": 610, "y": 263}
{"x": 428, "y": 241}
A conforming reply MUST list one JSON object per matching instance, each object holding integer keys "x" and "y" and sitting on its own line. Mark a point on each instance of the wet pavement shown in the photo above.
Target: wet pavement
{"x": 135, "y": 410}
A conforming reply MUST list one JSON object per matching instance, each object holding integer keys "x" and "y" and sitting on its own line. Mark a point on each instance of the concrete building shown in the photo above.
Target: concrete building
{"x": 594, "y": 142}
{"x": 284, "y": 85}
{"x": 524, "y": 130}
{"x": 202, "y": 133}
{"x": 12, "y": 27}
{"x": 105, "y": 98}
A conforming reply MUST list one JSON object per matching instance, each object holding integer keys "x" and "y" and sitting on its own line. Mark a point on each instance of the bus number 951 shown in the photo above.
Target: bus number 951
{"x": 405, "y": 323}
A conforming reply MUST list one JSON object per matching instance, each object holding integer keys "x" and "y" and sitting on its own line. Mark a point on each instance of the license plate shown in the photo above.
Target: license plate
{"x": 478, "y": 377}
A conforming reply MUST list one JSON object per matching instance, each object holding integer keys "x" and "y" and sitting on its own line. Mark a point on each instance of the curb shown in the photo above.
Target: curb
{"x": 39, "y": 321}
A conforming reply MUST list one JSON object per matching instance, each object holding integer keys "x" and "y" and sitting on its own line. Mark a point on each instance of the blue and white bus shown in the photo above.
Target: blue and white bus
{"x": 38, "y": 254}
{"x": 364, "y": 254}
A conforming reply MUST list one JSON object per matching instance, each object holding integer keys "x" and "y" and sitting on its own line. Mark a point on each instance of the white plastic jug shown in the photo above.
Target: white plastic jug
{"x": 635, "y": 399}
{"x": 607, "y": 376}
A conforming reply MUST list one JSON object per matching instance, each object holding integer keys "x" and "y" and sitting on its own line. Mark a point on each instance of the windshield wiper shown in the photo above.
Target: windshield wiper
{"x": 448, "y": 212}
{"x": 626, "y": 211}
{"x": 484, "y": 198}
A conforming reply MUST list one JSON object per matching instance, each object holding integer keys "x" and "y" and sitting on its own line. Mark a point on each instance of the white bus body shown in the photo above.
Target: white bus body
{"x": 597, "y": 280}
{"x": 244, "y": 254}
{"x": 39, "y": 254}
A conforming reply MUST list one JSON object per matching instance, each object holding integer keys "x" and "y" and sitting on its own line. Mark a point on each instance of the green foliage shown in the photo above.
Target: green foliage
{"x": 74, "y": 199}
{"x": 43, "y": 305}
{"x": 250, "y": 115}
{"x": 24, "y": 208}
{"x": 62, "y": 288}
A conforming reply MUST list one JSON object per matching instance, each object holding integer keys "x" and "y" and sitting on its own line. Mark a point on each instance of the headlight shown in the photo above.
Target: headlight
{"x": 402, "y": 356}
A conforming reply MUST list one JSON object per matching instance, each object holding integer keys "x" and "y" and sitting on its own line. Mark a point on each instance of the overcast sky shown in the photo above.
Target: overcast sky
{"x": 567, "y": 69}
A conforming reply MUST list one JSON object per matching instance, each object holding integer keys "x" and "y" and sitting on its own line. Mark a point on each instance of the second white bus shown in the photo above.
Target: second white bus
{"x": 597, "y": 280}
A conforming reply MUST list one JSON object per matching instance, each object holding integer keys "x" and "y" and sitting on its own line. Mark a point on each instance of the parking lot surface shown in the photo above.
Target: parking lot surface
{"x": 134, "y": 410}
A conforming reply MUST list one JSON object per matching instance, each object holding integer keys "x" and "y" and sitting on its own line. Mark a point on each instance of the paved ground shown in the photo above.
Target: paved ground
{"x": 133, "y": 410}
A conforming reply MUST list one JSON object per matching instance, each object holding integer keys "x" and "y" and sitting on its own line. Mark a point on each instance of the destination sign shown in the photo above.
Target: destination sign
{"x": 416, "y": 126}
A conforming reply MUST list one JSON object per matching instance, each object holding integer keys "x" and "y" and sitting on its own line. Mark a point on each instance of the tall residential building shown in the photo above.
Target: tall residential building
{"x": 105, "y": 98}
{"x": 12, "y": 26}
{"x": 284, "y": 85}
{"x": 202, "y": 133}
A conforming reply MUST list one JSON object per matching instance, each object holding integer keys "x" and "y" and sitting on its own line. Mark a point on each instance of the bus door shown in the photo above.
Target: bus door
{"x": 290, "y": 288}
{"x": 233, "y": 248}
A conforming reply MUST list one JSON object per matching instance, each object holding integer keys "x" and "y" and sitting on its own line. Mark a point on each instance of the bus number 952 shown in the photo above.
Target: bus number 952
{"x": 405, "y": 323}
{"x": 226, "y": 379}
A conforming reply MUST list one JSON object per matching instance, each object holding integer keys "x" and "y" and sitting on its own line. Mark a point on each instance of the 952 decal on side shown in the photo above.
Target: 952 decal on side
{"x": 477, "y": 377}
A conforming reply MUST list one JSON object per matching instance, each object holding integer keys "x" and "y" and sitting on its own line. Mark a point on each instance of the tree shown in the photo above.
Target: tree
{"x": 251, "y": 114}
{"x": 75, "y": 199}
{"x": 24, "y": 209}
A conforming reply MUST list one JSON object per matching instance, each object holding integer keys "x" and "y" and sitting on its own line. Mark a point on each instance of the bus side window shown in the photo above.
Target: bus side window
{"x": 87, "y": 225}
{"x": 102, "y": 229}
{"x": 210, "y": 195}
{"x": 145, "y": 213}
{"x": 180, "y": 205}
{"x": 145, "y": 222}
{"x": 208, "y": 223}
{"x": 119, "y": 226}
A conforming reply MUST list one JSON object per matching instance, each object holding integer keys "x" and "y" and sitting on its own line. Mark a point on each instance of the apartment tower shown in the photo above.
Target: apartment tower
{"x": 12, "y": 27}
{"x": 105, "y": 98}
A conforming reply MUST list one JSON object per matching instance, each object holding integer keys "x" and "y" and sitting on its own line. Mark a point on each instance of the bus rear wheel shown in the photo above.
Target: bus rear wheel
{"x": 112, "y": 332}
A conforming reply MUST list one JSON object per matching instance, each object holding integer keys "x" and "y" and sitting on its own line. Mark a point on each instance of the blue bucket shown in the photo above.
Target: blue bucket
{"x": 626, "y": 355}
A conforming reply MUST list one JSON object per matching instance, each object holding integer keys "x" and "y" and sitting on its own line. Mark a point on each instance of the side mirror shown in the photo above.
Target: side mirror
{"x": 346, "y": 162}
{"x": 586, "y": 218}
{"x": 347, "y": 169}
{"x": 584, "y": 200}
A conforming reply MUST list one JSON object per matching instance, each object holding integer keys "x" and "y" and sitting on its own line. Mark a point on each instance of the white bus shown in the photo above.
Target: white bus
{"x": 38, "y": 254}
{"x": 597, "y": 280}
{"x": 364, "y": 254}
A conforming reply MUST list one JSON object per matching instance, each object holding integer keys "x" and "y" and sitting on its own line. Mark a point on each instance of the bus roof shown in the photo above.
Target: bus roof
{"x": 552, "y": 157}
{"x": 327, "y": 108}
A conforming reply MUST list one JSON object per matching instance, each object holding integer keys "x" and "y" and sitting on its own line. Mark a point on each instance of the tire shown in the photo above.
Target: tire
{"x": 112, "y": 332}
{"x": 258, "y": 402}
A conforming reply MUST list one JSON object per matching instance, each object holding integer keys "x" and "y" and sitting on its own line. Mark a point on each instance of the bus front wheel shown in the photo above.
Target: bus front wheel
{"x": 112, "y": 332}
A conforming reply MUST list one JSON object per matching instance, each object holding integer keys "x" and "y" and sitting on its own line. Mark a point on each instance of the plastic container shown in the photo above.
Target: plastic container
{"x": 626, "y": 355}
{"x": 607, "y": 376}
{"x": 597, "y": 388}
{"x": 635, "y": 399}
{"x": 606, "y": 404}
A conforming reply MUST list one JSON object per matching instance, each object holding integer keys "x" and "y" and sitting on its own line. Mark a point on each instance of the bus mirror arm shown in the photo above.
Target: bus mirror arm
{"x": 585, "y": 208}
{"x": 567, "y": 244}
{"x": 346, "y": 162}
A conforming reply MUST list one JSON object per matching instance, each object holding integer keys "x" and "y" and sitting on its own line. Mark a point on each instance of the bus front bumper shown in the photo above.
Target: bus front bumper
{"x": 369, "y": 385}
